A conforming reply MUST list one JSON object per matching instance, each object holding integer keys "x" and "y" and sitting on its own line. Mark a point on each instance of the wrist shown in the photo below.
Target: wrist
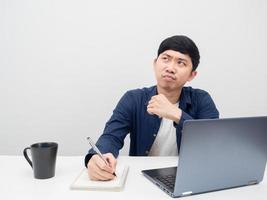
{"x": 176, "y": 116}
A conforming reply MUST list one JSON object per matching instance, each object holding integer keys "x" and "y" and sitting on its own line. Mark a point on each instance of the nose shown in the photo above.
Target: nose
{"x": 171, "y": 68}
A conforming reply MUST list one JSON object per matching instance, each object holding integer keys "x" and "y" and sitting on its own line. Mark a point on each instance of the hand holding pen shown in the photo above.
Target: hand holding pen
{"x": 101, "y": 167}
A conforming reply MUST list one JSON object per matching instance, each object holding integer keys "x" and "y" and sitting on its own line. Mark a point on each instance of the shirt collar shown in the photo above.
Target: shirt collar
{"x": 151, "y": 92}
{"x": 185, "y": 98}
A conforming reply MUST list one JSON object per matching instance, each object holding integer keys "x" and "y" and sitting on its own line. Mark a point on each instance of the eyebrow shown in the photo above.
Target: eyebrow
{"x": 180, "y": 59}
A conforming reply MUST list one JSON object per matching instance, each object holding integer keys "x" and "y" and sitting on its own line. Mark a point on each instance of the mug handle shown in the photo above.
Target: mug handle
{"x": 26, "y": 155}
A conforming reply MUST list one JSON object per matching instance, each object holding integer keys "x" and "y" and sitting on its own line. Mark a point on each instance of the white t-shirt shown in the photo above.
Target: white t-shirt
{"x": 165, "y": 142}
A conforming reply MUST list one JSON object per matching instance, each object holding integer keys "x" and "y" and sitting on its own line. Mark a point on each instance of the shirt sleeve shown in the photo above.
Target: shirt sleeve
{"x": 205, "y": 109}
{"x": 183, "y": 118}
{"x": 116, "y": 129}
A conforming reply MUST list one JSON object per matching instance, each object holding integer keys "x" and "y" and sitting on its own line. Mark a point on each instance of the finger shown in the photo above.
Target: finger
{"x": 111, "y": 160}
{"x": 103, "y": 175}
{"x": 103, "y": 166}
{"x": 151, "y": 101}
{"x": 158, "y": 97}
{"x": 149, "y": 106}
{"x": 150, "y": 111}
{"x": 95, "y": 177}
{"x": 154, "y": 111}
{"x": 97, "y": 161}
{"x": 153, "y": 105}
{"x": 92, "y": 172}
{"x": 154, "y": 97}
{"x": 100, "y": 174}
{"x": 98, "y": 177}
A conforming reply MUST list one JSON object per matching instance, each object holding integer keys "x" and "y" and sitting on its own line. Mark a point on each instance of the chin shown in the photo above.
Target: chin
{"x": 167, "y": 86}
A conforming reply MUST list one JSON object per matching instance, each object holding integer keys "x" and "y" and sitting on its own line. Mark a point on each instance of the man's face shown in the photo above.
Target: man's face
{"x": 173, "y": 69}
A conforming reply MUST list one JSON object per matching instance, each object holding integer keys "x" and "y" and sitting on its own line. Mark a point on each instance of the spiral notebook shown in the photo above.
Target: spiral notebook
{"x": 82, "y": 182}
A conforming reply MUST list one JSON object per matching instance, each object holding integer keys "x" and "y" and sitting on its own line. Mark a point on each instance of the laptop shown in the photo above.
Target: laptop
{"x": 216, "y": 154}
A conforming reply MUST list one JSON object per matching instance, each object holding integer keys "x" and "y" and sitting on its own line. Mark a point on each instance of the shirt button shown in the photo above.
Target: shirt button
{"x": 147, "y": 152}
{"x": 154, "y": 135}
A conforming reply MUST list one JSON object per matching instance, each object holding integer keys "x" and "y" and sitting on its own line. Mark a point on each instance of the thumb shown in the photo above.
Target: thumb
{"x": 111, "y": 160}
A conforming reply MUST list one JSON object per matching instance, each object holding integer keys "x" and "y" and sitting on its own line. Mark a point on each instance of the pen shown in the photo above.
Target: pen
{"x": 98, "y": 152}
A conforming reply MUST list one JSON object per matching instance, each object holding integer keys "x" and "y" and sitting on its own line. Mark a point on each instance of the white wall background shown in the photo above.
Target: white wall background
{"x": 64, "y": 64}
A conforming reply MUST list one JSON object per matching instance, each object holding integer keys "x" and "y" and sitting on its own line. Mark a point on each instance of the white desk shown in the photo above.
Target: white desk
{"x": 17, "y": 182}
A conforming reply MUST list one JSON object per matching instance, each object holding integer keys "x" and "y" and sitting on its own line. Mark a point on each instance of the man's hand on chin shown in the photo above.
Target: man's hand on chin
{"x": 161, "y": 106}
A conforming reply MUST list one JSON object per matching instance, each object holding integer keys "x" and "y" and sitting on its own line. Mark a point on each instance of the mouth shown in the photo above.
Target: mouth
{"x": 168, "y": 77}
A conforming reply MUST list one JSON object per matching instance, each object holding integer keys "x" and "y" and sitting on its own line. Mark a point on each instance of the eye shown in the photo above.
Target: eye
{"x": 181, "y": 63}
{"x": 164, "y": 58}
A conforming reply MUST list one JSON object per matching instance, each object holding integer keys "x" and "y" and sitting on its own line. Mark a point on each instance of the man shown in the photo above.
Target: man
{"x": 154, "y": 116}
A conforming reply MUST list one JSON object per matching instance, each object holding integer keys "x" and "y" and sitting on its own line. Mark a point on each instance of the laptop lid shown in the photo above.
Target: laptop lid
{"x": 217, "y": 154}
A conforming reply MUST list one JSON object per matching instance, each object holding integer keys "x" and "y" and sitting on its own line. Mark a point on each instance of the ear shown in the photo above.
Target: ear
{"x": 192, "y": 75}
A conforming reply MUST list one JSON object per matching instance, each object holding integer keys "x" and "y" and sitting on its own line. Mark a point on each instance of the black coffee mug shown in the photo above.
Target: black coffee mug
{"x": 43, "y": 159}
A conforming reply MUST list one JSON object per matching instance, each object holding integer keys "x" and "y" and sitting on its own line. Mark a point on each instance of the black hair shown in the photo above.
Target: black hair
{"x": 184, "y": 45}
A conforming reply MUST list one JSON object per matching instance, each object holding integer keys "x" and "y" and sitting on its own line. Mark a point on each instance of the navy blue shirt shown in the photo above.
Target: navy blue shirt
{"x": 131, "y": 116}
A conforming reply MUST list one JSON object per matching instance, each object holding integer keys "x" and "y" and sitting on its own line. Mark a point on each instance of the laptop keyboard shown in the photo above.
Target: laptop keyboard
{"x": 168, "y": 180}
